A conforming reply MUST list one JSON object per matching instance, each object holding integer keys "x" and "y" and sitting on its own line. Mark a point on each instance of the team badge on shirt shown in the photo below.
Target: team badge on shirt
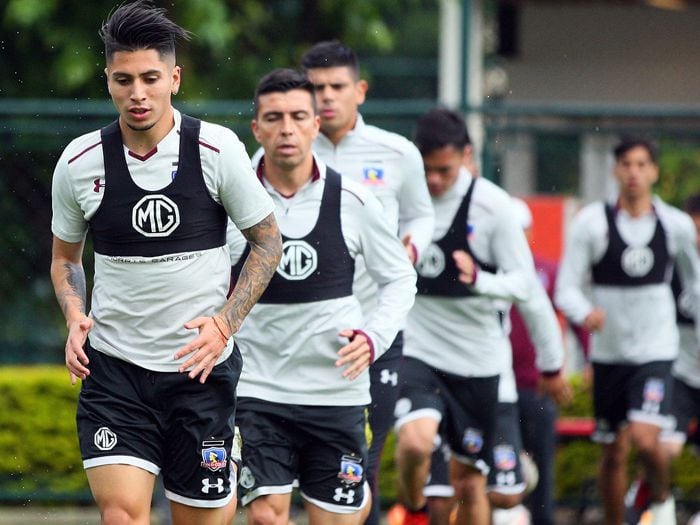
{"x": 473, "y": 440}
{"x": 350, "y": 470}
{"x": 213, "y": 455}
{"x": 504, "y": 457}
{"x": 373, "y": 176}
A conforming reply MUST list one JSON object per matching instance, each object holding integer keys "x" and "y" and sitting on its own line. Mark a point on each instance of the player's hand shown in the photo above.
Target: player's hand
{"x": 465, "y": 265}
{"x": 595, "y": 320}
{"x": 207, "y": 347}
{"x": 557, "y": 388}
{"x": 409, "y": 247}
{"x": 356, "y": 354}
{"x": 76, "y": 358}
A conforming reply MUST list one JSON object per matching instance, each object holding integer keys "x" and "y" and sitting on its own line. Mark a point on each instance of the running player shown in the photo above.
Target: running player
{"x": 155, "y": 355}
{"x": 306, "y": 347}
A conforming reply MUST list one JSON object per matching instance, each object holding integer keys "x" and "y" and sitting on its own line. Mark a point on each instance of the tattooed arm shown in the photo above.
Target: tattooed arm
{"x": 68, "y": 277}
{"x": 259, "y": 267}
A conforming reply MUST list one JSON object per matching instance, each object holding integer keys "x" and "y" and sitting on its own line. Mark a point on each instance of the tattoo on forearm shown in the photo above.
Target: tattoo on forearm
{"x": 76, "y": 289}
{"x": 265, "y": 252}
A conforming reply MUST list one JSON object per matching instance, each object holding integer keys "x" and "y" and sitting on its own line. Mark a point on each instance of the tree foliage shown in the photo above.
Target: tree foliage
{"x": 51, "y": 47}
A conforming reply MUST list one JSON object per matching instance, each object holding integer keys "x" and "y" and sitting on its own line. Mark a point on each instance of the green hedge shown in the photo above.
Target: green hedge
{"x": 39, "y": 456}
{"x": 40, "y": 459}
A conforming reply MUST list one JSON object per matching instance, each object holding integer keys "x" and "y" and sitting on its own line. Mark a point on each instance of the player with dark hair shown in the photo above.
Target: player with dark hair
{"x": 155, "y": 353}
{"x": 306, "y": 345}
{"x": 628, "y": 246}
{"x": 390, "y": 167}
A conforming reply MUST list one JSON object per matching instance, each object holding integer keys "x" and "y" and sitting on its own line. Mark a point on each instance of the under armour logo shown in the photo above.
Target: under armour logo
{"x": 348, "y": 496}
{"x": 389, "y": 377}
{"x": 98, "y": 185}
{"x": 219, "y": 485}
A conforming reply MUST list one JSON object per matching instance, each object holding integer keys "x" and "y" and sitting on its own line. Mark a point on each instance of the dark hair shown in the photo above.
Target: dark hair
{"x": 440, "y": 127}
{"x": 691, "y": 205}
{"x": 330, "y": 53}
{"x": 628, "y": 143}
{"x": 283, "y": 80}
{"x": 140, "y": 25}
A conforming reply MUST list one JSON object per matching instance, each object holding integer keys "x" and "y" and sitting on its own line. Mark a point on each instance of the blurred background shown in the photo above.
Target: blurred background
{"x": 548, "y": 87}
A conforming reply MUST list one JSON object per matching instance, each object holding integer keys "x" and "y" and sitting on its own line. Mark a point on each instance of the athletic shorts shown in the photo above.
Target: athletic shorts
{"x": 685, "y": 408}
{"x": 323, "y": 447}
{"x": 162, "y": 422}
{"x": 622, "y": 393}
{"x": 465, "y": 406}
{"x": 506, "y": 475}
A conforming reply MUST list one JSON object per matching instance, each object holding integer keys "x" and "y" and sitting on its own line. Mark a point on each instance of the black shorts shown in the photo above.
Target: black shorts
{"x": 624, "y": 393}
{"x": 465, "y": 406}
{"x": 685, "y": 408}
{"x": 506, "y": 475}
{"x": 323, "y": 447}
{"x": 162, "y": 422}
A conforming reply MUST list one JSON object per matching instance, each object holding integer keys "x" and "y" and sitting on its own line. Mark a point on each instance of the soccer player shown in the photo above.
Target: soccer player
{"x": 155, "y": 354}
{"x": 456, "y": 347}
{"x": 306, "y": 346}
{"x": 628, "y": 246}
{"x": 390, "y": 167}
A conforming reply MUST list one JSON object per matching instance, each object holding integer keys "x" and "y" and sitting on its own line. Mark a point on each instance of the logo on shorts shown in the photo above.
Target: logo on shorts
{"x": 105, "y": 439}
{"x": 348, "y": 496}
{"x": 246, "y": 479}
{"x": 350, "y": 470}
{"x": 155, "y": 216}
{"x": 504, "y": 457}
{"x": 432, "y": 262}
{"x": 386, "y": 376}
{"x": 402, "y": 407}
{"x": 473, "y": 440}
{"x": 207, "y": 485}
{"x": 654, "y": 389}
{"x": 637, "y": 261}
{"x": 213, "y": 455}
{"x": 299, "y": 260}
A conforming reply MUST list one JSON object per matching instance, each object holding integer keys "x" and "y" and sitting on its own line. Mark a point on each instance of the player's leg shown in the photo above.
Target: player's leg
{"x": 384, "y": 390}
{"x": 122, "y": 493}
{"x": 269, "y": 460}
{"x": 332, "y": 475}
{"x": 438, "y": 490}
{"x": 199, "y": 418}
{"x": 537, "y": 423}
{"x": 470, "y": 492}
{"x": 418, "y": 411}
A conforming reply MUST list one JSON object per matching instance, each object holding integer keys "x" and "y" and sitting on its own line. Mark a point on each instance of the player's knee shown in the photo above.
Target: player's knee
{"x": 505, "y": 501}
{"x": 262, "y": 513}
{"x": 414, "y": 446}
{"x": 121, "y": 515}
{"x": 469, "y": 489}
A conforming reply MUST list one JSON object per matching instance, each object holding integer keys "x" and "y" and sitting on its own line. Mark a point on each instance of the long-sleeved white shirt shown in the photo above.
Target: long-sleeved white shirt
{"x": 640, "y": 321}
{"x": 289, "y": 350}
{"x": 391, "y": 167}
{"x": 464, "y": 336}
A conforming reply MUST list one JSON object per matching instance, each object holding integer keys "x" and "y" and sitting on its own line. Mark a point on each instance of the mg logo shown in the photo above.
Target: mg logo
{"x": 637, "y": 262}
{"x": 299, "y": 260}
{"x": 105, "y": 439}
{"x": 155, "y": 216}
{"x": 432, "y": 262}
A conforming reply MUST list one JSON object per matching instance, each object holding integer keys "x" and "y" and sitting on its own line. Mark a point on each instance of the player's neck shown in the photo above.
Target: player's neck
{"x": 142, "y": 142}
{"x": 287, "y": 181}
{"x": 335, "y": 136}
{"x": 636, "y": 206}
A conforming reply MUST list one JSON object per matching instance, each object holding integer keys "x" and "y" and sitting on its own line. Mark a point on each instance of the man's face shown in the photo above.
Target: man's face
{"x": 442, "y": 168}
{"x": 338, "y": 94}
{"x": 636, "y": 173}
{"x": 286, "y": 126}
{"x": 141, "y": 84}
